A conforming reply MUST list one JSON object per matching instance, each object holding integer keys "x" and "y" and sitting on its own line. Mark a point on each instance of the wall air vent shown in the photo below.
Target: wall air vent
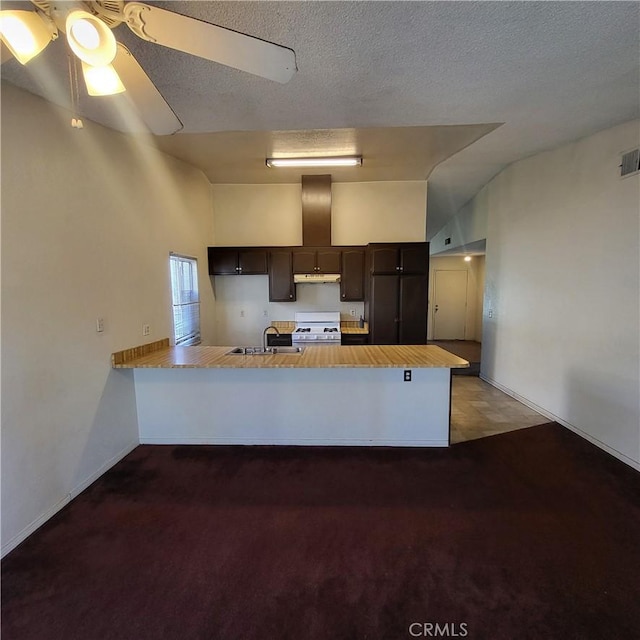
{"x": 630, "y": 163}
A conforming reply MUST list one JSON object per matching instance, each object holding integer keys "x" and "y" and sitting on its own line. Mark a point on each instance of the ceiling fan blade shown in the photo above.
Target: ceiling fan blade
{"x": 154, "y": 110}
{"x": 5, "y": 54}
{"x": 209, "y": 41}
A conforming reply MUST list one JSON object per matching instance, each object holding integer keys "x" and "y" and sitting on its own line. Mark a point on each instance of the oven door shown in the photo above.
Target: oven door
{"x": 315, "y": 341}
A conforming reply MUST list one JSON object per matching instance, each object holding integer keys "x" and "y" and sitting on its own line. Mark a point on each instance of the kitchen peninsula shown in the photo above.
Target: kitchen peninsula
{"x": 394, "y": 395}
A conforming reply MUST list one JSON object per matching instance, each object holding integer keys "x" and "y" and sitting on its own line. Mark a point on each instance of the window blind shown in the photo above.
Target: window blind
{"x": 186, "y": 300}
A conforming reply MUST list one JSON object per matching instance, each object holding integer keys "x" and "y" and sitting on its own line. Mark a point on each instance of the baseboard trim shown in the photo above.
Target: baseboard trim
{"x": 299, "y": 442}
{"x": 79, "y": 488}
{"x": 635, "y": 464}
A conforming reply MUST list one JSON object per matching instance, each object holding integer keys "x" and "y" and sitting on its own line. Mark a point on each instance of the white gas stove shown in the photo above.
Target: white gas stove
{"x": 316, "y": 328}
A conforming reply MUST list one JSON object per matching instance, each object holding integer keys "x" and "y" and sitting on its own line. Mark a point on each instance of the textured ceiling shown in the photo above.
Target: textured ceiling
{"x": 550, "y": 71}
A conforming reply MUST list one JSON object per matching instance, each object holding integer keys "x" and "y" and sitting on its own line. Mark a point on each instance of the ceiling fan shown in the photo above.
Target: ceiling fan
{"x": 109, "y": 67}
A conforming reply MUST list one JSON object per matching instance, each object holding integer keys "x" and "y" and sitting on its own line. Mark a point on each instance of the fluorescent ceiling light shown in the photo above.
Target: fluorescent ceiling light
{"x": 101, "y": 81}
{"x": 338, "y": 161}
{"x": 26, "y": 33}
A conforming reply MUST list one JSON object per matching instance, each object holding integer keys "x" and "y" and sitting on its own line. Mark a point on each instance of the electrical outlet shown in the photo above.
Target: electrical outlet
{"x": 407, "y": 375}
{"x": 146, "y": 329}
{"x": 265, "y": 313}
{"x": 353, "y": 312}
{"x": 99, "y": 325}
{"x": 490, "y": 314}
{"x": 242, "y": 313}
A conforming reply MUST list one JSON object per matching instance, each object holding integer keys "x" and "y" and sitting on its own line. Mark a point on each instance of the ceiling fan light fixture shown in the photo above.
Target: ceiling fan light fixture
{"x": 335, "y": 161}
{"x": 101, "y": 81}
{"x": 90, "y": 39}
{"x": 85, "y": 33}
{"x": 26, "y": 33}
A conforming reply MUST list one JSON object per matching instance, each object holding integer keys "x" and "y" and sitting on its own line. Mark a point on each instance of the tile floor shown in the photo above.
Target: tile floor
{"x": 479, "y": 410}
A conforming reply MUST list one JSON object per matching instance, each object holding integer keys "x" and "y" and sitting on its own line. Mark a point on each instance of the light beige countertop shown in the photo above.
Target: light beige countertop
{"x": 353, "y": 327}
{"x": 159, "y": 355}
{"x": 346, "y": 326}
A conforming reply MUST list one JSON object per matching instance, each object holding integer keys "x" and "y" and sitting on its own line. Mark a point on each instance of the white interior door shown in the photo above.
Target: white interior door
{"x": 450, "y": 304}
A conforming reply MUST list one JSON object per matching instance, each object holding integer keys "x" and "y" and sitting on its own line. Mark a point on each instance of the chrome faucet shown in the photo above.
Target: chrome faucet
{"x": 264, "y": 336}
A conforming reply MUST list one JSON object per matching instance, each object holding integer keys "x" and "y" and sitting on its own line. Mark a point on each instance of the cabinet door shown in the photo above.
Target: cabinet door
{"x": 384, "y": 259}
{"x": 354, "y": 338}
{"x": 413, "y": 309}
{"x": 223, "y": 262}
{"x": 414, "y": 258}
{"x": 328, "y": 261}
{"x": 304, "y": 261}
{"x": 281, "y": 287}
{"x": 352, "y": 275}
{"x": 252, "y": 261}
{"x": 383, "y": 314}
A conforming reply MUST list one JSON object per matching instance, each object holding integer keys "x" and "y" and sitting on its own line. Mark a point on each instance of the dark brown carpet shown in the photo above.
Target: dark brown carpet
{"x": 530, "y": 534}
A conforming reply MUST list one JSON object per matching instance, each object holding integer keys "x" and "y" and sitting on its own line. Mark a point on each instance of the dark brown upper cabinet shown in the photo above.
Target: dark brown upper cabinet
{"x": 316, "y": 260}
{"x": 243, "y": 261}
{"x": 352, "y": 274}
{"x": 404, "y": 258}
{"x": 281, "y": 287}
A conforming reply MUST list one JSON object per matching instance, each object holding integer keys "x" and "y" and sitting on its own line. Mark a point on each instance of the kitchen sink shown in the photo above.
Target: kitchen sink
{"x": 261, "y": 351}
{"x": 289, "y": 350}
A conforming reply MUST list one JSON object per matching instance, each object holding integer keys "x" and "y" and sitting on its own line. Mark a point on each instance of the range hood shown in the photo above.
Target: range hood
{"x": 316, "y": 223}
{"x": 315, "y": 278}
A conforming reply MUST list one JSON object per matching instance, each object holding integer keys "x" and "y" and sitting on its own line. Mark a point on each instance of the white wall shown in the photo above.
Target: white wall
{"x": 480, "y": 276}
{"x": 562, "y": 282}
{"x": 364, "y": 212}
{"x": 271, "y": 215}
{"x": 361, "y": 212}
{"x": 467, "y": 227}
{"x": 262, "y": 215}
{"x": 88, "y": 221}
{"x": 475, "y": 284}
{"x": 243, "y": 309}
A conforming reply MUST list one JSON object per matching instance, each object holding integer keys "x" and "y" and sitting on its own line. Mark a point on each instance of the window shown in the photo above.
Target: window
{"x": 186, "y": 301}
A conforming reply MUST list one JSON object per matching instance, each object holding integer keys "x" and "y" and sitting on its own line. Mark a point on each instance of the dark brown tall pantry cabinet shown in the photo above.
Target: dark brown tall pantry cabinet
{"x": 398, "y": 283}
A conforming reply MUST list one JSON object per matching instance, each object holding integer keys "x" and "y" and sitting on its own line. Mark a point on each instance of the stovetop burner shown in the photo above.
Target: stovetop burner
{"x": 317, "y": 328}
